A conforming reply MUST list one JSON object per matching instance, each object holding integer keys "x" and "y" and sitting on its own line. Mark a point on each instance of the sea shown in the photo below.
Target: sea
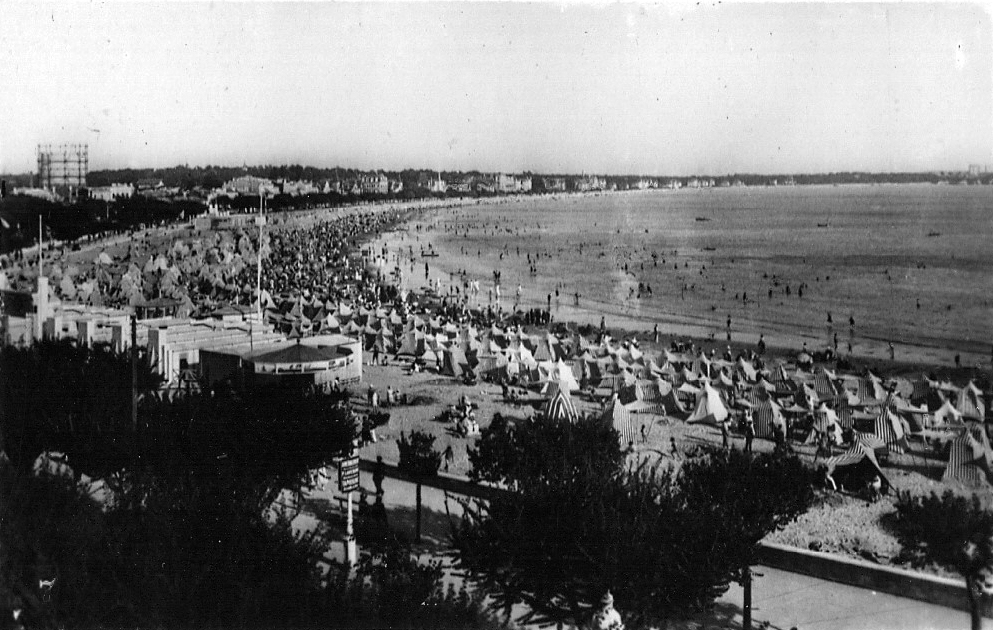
{"x": 849, "y": 264}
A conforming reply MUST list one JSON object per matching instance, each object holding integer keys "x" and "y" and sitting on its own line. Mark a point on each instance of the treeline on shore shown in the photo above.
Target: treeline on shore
{"x": 68, "y": 222}
{"x": 211, "y": 176}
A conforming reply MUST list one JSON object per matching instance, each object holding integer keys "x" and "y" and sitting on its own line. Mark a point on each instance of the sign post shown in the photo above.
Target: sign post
{"x": 348, "y": 481}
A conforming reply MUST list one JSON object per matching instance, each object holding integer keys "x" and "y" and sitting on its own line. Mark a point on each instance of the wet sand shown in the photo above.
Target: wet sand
{"x": 879, "y": 287}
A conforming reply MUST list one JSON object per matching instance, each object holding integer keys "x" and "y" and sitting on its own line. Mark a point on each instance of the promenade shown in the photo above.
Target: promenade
{"x": 785, "y": 600}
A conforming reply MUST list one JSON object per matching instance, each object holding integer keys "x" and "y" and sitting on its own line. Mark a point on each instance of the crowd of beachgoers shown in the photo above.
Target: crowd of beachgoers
{"x": 360, "y": 273}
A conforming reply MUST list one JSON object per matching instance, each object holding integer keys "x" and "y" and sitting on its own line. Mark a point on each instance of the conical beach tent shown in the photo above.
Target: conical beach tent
{"x": 766, "y": 415}
{"x": 621, "y": 420}
{"x": 889, "y": 428}
{"x": 969, "y": 460}
{"x": 710, "y": 408}
{"x": 855, "y": 467}
{"x": 560, "y": 407}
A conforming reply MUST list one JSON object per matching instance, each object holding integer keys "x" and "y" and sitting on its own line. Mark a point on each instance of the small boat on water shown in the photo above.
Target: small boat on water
{"x": 710, "y": 249}
{"x": 429, "y": 254}
{"x": 823, "y": 225}
{"x": 702, "y": 219}
{"x": 934, "y": 233}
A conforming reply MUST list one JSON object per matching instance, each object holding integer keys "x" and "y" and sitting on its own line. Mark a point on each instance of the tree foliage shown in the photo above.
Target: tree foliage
{"x": 664, "y": 542}
{"x": 56, "y": 395}
{"x": 953, "y": 531}
{"x": 394, "y": 588}
{"x": 532, "y": 452}
{"x": 418, "y": 458}
{"x": 193, "y": 527}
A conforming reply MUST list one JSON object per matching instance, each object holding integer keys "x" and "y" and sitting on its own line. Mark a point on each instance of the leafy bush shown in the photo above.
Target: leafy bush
{"x": 392, "y": 588}
{"x": 953, "y": 531}
{"x": 576, "y": 524}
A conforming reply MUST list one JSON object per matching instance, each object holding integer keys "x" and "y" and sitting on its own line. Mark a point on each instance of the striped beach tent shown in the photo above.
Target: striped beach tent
{"x": 969, "y": 459}
{"x": 826, "y": 421}
{"x": 621, "y": 420}
{"x": 970, "y": 403}
{"x": 843, "y": 411}
{"x": 824, "y": 387}
{"x": 889, "y": 428}
{"x": 856, "y": 466}
{"x": 870, "y": 388}
{"x": 922, "y": 390}
{"x": 766, "y": 414}
{"x": 560, "y": 407}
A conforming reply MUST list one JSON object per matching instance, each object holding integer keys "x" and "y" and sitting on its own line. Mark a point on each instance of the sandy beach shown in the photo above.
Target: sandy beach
{"x": 953, "y": 314}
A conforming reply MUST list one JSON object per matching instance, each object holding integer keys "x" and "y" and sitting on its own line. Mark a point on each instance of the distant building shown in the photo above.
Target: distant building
{"x": 485, "y": 184}
{"x": 431, "y": 183}
{"x": 40, "y": 193}
{"x": 311, "y": 361}
{"x": 376, "y": 183}
{"x": 588, "y": 183}
{"x": 554, "y": 184}
{"x": 508, "y": 183}
{"x": 461, "y": 184}
{"x": 975, "y": 170}
{"x": 296, "y": 189}
{"x": 112, "y": 192}
{"x": 250, "y": 185}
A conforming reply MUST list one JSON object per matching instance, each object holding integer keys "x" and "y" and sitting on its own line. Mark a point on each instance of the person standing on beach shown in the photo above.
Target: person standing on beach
{"x": 656, "y": 333}
{"x": 892, "y": 352}
{"x": 749, "y": 431}
{"x": 378, "y": 475}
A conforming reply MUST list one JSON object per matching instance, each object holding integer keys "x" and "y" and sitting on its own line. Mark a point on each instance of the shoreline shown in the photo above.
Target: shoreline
{"x": 922, "y": 349}
{"x": 698, "y": 327}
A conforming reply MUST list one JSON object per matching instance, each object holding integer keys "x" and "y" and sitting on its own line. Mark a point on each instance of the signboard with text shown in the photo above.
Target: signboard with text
{"x": 348, "y": 474}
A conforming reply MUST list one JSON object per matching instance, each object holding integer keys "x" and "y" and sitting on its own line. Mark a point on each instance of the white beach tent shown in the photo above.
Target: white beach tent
{"x": 709, "y": 407}
{"x": 947, "y": 415}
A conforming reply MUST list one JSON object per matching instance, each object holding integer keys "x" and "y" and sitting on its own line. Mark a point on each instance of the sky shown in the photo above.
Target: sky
{"x": 626, "y": 88}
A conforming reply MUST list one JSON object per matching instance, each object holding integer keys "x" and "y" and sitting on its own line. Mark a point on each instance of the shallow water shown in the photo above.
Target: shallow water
{"x": 867, "y": 252}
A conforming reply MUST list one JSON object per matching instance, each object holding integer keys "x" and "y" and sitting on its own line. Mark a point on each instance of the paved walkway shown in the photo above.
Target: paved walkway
{"x": 786, "y": 600}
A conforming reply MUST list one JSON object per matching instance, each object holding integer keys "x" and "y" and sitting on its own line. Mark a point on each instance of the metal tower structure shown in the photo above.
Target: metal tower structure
{"x": 63, "y": 165}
